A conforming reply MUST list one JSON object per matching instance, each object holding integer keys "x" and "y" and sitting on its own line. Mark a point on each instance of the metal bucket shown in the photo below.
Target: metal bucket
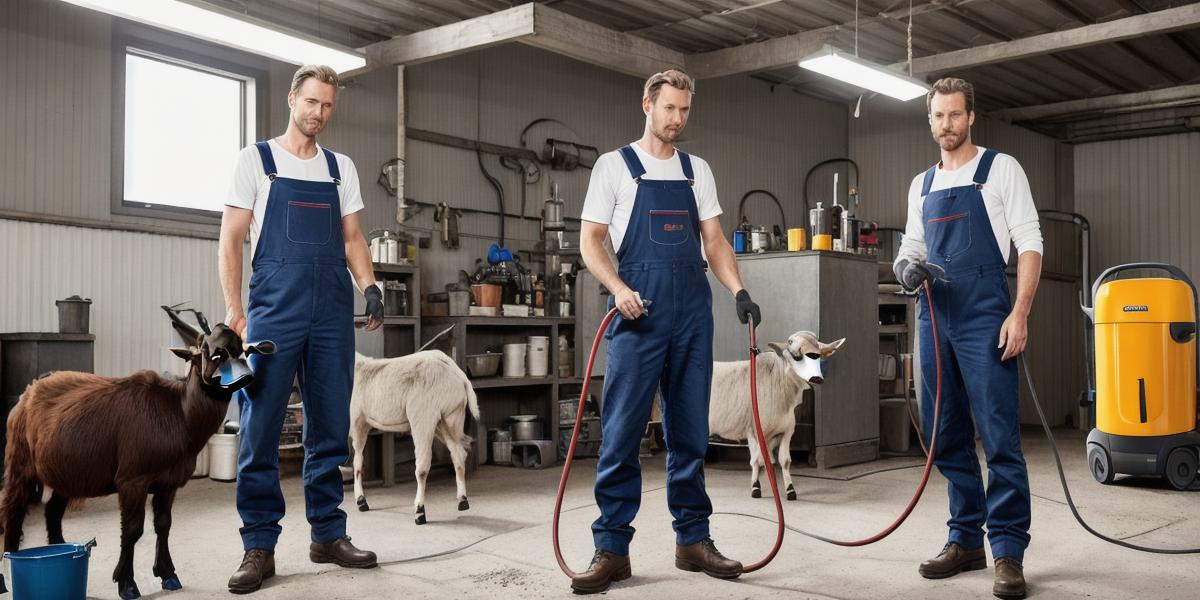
{"x": 73, "y": 314}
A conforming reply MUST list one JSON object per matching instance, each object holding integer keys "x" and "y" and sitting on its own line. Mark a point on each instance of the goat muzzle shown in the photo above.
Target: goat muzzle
{"x": 234, "y": 375}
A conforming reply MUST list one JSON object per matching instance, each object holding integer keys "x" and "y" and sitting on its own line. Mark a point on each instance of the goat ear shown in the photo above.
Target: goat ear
{"x": 263, "y": 347}
{"x": 779, "y": 347}
{"x": 184, "y": 353}
{"x": 830, "y": 348}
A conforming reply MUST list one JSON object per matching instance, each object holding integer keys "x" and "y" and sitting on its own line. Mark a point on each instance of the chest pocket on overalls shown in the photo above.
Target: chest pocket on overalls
{"x": 949, "y": 235}
{"x": 309, "y": 222}
{"x": 669, "y": 227}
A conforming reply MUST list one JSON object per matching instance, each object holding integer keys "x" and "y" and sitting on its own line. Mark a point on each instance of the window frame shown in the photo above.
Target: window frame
{"x": 185, "y": 52}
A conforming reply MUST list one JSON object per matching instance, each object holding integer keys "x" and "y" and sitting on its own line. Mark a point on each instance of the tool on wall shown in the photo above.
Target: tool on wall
{"x": 448, "y": 217}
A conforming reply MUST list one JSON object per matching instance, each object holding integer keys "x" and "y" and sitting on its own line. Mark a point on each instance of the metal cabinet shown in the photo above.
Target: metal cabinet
{"x": 834, "y": 295}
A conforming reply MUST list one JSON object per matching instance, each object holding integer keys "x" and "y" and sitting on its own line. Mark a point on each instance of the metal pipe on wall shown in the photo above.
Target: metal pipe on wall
{"x": 400, "y": 140}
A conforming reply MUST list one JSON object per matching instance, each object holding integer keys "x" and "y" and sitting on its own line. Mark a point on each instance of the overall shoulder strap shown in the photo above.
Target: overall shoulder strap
{"x": 268, "y": 161}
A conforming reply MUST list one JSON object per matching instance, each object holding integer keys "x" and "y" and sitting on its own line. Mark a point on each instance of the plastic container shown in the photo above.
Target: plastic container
{"x": 514, "y": 360}
{"x": 538, "y": 356}
{"x": 54, "y": 572}
{"x": 796, "y": 239}
{"x": 73, "y": 314}
{"x": 202, "y": 463}
{"x": 223, "y": 457}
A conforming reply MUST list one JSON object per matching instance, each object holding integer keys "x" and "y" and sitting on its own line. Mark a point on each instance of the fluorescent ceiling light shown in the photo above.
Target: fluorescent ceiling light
{"x": 226, "y": 30}
{"x": 865, "y": 74}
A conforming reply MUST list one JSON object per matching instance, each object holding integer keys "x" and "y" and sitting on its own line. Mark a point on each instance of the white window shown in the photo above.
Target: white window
{"x": 184, "y": 126}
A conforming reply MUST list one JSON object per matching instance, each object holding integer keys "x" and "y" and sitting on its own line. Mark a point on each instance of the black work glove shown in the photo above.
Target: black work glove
{"x": 746, "y": 306}
{"x": 913, "y": 274}
{"x": 374, "y": 303}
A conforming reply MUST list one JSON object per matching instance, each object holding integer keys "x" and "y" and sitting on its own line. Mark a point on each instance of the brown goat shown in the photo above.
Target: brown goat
{"x": 84, "y": 436}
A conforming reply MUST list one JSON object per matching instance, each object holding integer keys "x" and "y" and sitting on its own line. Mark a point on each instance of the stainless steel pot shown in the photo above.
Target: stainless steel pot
{"x": 525, "y": 431}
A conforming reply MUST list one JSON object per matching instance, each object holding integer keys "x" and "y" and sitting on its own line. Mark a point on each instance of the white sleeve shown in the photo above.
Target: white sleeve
{"x": 247, "y": 176}
{"x": 1020, "y": 213}
{"x": 351, "y": 194}
{"x": 706, "y": 191}
{"x": 601, "y": 198}
{"x": 912, "y": 247}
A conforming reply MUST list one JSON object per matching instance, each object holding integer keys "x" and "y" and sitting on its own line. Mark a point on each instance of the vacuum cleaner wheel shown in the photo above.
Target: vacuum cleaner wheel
{"x": 1100, "y": 464}
{"x": 1181, "y": 468}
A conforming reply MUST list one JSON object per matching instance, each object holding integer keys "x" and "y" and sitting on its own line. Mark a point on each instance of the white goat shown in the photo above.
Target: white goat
{"x": 425, "y": 394}
{"x": 783, "y": 376}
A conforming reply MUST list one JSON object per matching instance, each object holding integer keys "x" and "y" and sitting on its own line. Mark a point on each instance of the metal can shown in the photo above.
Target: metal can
{"x": 739, "y": 241}
{"x": 392, "y": 250}
{"x": 376, "y": 250}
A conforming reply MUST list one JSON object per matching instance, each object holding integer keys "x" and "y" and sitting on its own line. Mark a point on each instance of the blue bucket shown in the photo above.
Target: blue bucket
{"x": 55, "y": 572}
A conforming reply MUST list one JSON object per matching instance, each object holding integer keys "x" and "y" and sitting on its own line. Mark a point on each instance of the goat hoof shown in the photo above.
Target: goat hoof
{"x": 791, "y": 494}
{"x": 420, "y": 520}
{"x": 463, "y": 504}
{"x": 128, "y": 591}
{"x": 362, "y": 504}
{"x": 756, "y": 492}
{"x": 171, "y": 583}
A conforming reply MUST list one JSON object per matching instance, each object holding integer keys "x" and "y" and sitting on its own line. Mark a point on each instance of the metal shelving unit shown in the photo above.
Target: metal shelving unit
{"x": 500, "y": 397}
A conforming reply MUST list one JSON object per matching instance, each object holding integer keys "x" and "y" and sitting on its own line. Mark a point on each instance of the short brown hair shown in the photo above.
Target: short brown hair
{"x": 951, "y": 85}
{"x": 672, "y": 77}
{"x": 321, "y": 73}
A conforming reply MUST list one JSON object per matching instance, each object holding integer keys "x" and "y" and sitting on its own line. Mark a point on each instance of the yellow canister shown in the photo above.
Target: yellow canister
{"x": 822, "y": 241}
{"x": 1145, "y": 365}
{"x": 796, "y": 239}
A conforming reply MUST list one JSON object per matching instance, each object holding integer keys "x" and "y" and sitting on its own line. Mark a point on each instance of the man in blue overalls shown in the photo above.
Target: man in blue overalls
{"x": 964, "y": 213}
{"x": 299, "y": 202}
{"x": 659, "y": 205}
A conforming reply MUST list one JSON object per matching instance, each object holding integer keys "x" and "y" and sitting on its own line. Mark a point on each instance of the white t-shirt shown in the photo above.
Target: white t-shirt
{"x": 251, "y": 187}
{"x": 1006, "y": 196}
{"x": 612, "y": 190}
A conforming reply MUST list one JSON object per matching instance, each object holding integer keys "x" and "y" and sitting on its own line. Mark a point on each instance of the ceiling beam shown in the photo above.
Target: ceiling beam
{"x": 1159, "y": 22}
{"x": 760, "y": 56}
{"x": 583, "y": 40}
{"x": 454, "y": 38}
{"x": 1174, "y": 95}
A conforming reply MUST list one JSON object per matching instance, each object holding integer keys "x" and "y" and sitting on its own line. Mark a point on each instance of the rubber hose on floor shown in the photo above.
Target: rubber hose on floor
{"x": 1062, "y": 478}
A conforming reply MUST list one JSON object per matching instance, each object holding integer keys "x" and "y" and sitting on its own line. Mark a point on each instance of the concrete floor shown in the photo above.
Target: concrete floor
{"x": 505, "y": 551}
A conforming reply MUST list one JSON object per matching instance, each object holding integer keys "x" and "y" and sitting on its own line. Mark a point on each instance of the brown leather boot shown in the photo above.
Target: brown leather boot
{"x": 704, "y": 556}
{"x": 953, "y": 560}
{"x": 257, "y": 566}
{"x": 1010, "y": 579}
{"x": 341, "y": 553}
{"x": 606, "y": 568}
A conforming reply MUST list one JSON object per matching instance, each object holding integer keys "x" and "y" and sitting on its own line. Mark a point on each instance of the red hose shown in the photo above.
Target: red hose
{"x": 766, "y": 454}
{"x": 562, "y": 482}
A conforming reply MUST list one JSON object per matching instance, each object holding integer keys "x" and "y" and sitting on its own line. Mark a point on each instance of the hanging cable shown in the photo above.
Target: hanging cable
{"x": 909, "y": 43}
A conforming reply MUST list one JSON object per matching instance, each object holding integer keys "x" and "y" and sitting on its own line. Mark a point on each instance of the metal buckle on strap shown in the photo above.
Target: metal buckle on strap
{"x": 755, "y": 350}
{"x": 271, "y": 176}
{"x": 337, "y": 181}
{"x": 691, "y": 182}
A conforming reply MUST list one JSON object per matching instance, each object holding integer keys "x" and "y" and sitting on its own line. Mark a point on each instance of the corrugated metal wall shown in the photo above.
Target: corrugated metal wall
{"x": 127, "y": 275}
{"x": 752, "y": 137}
{"x": 56, "y": 62}
{"x": 891, "y": 143}
{"x": 1140, "y": 195}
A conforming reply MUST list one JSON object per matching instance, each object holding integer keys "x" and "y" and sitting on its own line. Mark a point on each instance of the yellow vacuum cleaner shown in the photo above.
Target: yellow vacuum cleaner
{"x": 1145, "y": 364}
